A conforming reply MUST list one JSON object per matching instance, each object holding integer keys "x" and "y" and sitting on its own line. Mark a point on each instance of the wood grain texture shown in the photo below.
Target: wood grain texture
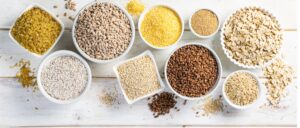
{"x": 22, "y": 107}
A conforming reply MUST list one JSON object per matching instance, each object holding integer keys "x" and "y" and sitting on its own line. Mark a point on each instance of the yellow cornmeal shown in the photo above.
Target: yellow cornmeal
{"x": 161, "y": 26}
{"x": 36, "y": 30}
{"x": 135, "y": 7}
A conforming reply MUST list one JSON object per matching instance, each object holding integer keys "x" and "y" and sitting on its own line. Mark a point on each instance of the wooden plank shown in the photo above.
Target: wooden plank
{"x": 18, "y": 107}
{"x": 286, "y": 16}
{"x": 10, "y": 53}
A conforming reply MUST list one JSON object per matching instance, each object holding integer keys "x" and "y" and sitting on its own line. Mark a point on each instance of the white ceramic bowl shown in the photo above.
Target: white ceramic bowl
{"x": 53, "y": 56}
{"x": 202, "y": 36}
{"x": 228, "y": 54}
{"x": 57, "y": 20}
{"x": 211, "y": 90}
{"x": 98, "y": 60}
{"x": 142, "y": 18}
{"x": 254, "y": 103}
{"x": 162, "y": 86}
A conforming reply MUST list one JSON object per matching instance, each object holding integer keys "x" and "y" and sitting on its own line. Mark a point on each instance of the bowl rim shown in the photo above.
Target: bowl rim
{"x": 254, "y": 103}
{"x": 53, "y": 16}
{"x": 141, "y": 19}
{"x": 145, "y": 53}
{"x": 216, "y": 85}
{"x": 132, "y": 26}
{"x": 52, "y": 56}
{"x": 231, "y": 57}
{"x": 203, "y": 36}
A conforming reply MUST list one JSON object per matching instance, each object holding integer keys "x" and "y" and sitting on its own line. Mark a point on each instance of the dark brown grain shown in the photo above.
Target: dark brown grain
{"x": 162, "y": 103}
{"x": 192, "y": 70}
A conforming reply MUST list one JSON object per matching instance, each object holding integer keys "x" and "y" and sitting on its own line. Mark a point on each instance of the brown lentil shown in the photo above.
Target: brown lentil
{"x": 192, "y": 70}
{"x": 103, "y": 31}
{"x": 162, "y": 103}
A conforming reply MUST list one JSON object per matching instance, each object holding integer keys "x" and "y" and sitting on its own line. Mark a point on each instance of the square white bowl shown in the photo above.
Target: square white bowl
{"x": 162, "y": 86}
{"x": 53, "y": 16}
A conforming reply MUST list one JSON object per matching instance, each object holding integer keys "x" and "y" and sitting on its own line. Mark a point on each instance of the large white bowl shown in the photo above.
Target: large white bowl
{"x": 98, "y": 60}
{"x": 162, "y": 86}
{"x": 53, "y": 16}
{"x": 211, "y": 90}
{"x": 53, "y": 56}
{"x": 202, "y": 36}
{"x": 228, "y": 54}
{"x": 239, "y": 107}
{"x": 142, "y": 18}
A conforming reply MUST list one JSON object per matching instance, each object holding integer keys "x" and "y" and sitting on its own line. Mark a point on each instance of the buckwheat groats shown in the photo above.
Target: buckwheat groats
{"x": 192, "y": 71}
{"x": 252, "y": 36}
{"x": 103, "y": 31}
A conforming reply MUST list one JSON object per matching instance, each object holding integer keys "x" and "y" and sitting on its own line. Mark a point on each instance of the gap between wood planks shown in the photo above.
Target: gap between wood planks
{"x": 183, "y": 126}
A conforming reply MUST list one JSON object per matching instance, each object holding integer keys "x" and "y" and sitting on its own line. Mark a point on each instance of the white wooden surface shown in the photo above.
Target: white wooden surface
{"x": 17, "y": 105}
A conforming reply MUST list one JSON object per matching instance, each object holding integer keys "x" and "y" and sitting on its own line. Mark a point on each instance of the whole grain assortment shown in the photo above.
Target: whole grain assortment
{"x": 36, "y": 30}
{"x": 161, "y": 26}
{"x": 64, "y": 77}
{"x": 242, "y": 88}
{"x": 252, "y": 36}
{"x": 103, "y": 31}
{"x": 192, "y": 70}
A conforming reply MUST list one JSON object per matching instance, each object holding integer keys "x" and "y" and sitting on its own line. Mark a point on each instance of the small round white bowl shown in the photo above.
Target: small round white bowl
{"x": 228, "y": 54}
{"x": 53, "y": 16}
{"x": 98, "y": 60}
{"x": 211, "y": 90}
{"x": 203, "y": 36}
{"x": 142, "y": 18}
{"x": 53, "y": 56}
{"x": 239, "y": 107}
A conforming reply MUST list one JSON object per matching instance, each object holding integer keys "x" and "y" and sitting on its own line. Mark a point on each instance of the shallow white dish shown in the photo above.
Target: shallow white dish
{"x": 53, "y": 16}
{"x": 162, "y": 86}
{"x": 228, "y": 54}
{"x": 254, "y": 103}
{"x": 212, "y": 89}
{"x": 53, "y": 56}
{"x": 202, "y": 36}
{"x": 98, "y": 60}
{"x": 142, "y": 18}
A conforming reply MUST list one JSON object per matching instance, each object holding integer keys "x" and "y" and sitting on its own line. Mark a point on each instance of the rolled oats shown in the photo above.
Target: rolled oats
{"x": 252, "y": 36}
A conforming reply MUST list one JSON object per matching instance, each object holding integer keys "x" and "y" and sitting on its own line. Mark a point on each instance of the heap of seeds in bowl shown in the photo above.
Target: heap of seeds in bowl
{"x": 242, "y": 88}
{"x": 204, "y": 22}
{"x": 252, "y": 36}
{"x": 138, "y": 77}
{"x": 161, "y": 26}
{"x": 103, "y": 31}
{"x": 64, "y": 77}
{"x": 36, "y": 30}
{"x": 192, "y": 71}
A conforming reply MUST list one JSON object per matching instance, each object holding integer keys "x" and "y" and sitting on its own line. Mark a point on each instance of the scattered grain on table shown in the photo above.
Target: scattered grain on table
{"x": 138, "y": 77}
{"x": 161, "y": 104}
{"x": 209, "y": 107}
{"x": 252, "y": 36}
{"x": 25, "y": 75}
{"x": 135, "y": 7}
{"x": 278, "y": 76}
{"x": 108, "y": 96}
{"x": 70, "y": 5}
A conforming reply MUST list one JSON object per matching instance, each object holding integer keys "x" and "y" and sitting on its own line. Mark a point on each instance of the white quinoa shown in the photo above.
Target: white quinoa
{"x": 64, "y": 77}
